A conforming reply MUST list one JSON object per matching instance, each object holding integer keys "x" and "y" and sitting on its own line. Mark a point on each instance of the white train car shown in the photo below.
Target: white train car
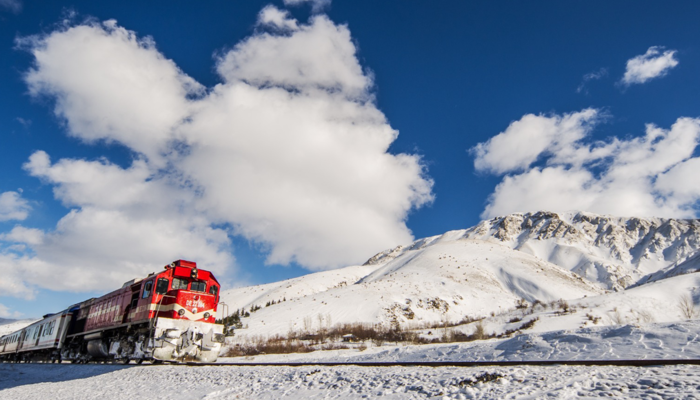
{"x": 9, "y": 344}
{"x": 41, "y": 340}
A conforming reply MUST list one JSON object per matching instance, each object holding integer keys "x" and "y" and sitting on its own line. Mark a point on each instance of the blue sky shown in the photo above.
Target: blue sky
{"x": 269, "y": 139}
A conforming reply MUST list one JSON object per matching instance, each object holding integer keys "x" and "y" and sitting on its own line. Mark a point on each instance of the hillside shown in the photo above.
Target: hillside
{"x": 619, "y": 270}
{"x": 446, "y": 281}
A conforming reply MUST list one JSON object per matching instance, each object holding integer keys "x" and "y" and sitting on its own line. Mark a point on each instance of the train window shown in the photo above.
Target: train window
{"x": 214, "y": 290}
{"x": 179, "y": 284}
{"x": 162, "y": 286}
{"x": 147, "y": 290}
{"x": 199, "y": 286}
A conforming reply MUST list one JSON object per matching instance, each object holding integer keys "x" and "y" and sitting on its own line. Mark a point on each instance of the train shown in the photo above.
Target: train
{"x": 168, "y": 316}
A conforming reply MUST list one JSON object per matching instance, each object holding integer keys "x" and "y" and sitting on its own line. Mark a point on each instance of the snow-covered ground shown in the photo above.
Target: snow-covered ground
{"x": 26, "y": 381}
{"x": 679, "y": 340}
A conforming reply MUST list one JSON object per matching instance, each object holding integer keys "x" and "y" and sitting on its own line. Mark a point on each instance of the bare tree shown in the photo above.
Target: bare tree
{"x": 307, "y": 324}
{"x": 687, "y": 306}
{"x": 617, "y": 318}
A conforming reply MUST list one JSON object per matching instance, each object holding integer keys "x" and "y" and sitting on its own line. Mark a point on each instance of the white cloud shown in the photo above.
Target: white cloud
{"x": 652, "y": 64}
{"x": 5, "y": 312}
{"x": 273, "y": 16}
{"x": 320, "y": 55}
{"x": 289, "y": 151}
{"x": 110, "y": 85}
{"x": 13, "y": 206}
{"x": 316, "y": 5}
{"x": 650, "y": 175}
{"x": 304, "y": 149}
{"x": 13, "y": 6}
{"x": 592, "y": 76}
{"x": 20, "y": 234}
{"x": 525, "y": 140}
{"x": 15, "y": 275}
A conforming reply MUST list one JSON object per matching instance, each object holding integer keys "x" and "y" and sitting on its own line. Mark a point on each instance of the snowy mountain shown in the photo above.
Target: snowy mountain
{"x": 613, "y": 251}
{"x": 491, "y": 268}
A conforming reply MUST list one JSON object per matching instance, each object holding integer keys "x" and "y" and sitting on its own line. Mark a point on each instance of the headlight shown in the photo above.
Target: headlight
{"x": 207, "y": 315}
{"x": 181, "y": 312}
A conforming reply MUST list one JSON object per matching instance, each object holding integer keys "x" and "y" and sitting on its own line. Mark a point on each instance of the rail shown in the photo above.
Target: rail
{"x": 435, "y": 364}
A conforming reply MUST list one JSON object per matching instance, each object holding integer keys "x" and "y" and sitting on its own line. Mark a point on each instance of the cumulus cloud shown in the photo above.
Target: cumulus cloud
{"x": 649, "y": 175}
{"x": 110, "y": 85}
{"x": 288, "y": 151}
{"x": 525, "y": 140}
{"x": 650, "y": 65}
{"x": 13, "y": 206}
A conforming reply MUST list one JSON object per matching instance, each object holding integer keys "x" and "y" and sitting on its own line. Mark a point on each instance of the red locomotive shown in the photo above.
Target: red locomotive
{"x": 167, "y": 316}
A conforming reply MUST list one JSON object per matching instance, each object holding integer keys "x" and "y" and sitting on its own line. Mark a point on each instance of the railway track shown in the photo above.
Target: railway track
{"x": 621, "y": 363}
{"x": 435, "y": 364}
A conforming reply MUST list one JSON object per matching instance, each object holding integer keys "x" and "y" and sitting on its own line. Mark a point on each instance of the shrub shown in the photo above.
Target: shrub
{"x": 687, "y": 307}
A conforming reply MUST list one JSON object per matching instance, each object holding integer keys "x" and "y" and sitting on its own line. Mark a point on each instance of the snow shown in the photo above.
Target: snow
{"x": 175, "y": 382}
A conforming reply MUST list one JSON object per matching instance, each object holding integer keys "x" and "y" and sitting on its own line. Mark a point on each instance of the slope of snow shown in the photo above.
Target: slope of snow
{"x": 657, "y": 302}
{"x": 687, "y": 266}
{"x": 447, "y": 281}
{"x": 289, "y": 289}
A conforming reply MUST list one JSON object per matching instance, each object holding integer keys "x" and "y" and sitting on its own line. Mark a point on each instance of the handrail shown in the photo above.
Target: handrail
{"x": 154, "y": 321}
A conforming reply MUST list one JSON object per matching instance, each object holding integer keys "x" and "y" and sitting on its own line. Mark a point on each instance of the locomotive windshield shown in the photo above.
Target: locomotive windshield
{"x": 162, "y": 286}
{"x": 199, "y": 286}
{"x": 179, "y": 283}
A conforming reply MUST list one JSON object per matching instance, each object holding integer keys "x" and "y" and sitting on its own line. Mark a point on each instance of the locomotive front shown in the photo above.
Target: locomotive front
{"x": 167, "y": 316}
{"x": 183, "y": 312}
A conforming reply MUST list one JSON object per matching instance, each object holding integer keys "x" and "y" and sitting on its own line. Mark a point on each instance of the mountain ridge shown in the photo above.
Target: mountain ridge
{"x": 615, "y": 252}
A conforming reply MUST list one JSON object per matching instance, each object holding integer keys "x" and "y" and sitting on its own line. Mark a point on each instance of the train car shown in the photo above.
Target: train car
{"x": 42, "y": 340}
{"x": 167, "y": 316}
{"x": 8, "y": 346}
